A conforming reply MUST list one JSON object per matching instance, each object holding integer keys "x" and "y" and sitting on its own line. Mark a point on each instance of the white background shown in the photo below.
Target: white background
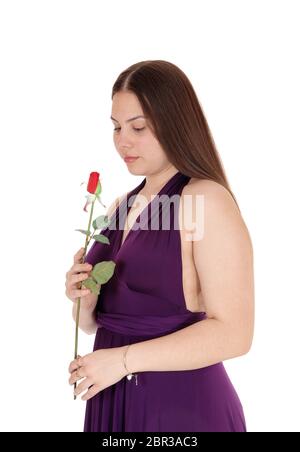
{"x": 59, "y": 60}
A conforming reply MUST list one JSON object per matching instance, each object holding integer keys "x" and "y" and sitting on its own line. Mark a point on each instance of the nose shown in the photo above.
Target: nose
{"x": 123, "y": 141}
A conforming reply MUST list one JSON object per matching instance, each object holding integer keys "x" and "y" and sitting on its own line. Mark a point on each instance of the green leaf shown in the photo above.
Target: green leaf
{"x": 91, "y": 284}
{"x": 101, "y": 222}
{"x": 83, "y": 231}
{"x": 103, "y": 271}
{"x": 101, "y": 238}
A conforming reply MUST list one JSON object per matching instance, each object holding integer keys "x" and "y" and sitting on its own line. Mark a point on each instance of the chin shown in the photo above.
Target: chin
{"x": 135, "y": 172}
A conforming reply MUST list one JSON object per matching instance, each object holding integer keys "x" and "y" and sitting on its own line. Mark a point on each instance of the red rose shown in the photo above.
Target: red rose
{"x": 104, "y": 270}
{"x": 93, "y": 182}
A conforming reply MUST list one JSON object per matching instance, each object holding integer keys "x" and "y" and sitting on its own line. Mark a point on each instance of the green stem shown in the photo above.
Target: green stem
{"x": 78, "y": 299}
{"x": 90, "y": 238}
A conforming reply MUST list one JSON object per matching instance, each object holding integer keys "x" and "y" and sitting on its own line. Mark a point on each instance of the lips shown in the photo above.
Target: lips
{"x": 130, "y": 159}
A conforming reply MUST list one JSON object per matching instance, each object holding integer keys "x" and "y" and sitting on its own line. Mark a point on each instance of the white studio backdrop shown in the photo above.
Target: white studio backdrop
{"x": 59, "y": 60}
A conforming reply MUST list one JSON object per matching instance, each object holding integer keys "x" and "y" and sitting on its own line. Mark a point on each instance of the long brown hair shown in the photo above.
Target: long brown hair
{"x": 169, "y": 102}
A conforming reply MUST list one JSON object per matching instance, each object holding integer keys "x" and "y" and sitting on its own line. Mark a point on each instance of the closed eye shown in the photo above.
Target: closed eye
{"x": 134, "y": 128}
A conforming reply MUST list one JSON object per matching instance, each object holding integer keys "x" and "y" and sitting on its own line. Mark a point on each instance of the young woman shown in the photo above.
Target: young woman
{"x": 181, "y": 299}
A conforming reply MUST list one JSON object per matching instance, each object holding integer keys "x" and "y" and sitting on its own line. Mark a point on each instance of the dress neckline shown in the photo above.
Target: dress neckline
{"x": 135, "y": 192}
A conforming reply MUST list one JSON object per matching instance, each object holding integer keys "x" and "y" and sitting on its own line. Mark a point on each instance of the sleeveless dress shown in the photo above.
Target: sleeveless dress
{"x": 144, "y": 299}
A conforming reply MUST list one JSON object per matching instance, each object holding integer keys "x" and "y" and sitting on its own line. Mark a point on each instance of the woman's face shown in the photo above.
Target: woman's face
{"x": 134, "y": 138}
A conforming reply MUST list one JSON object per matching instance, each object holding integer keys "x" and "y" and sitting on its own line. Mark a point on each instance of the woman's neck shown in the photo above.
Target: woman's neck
{"x": 155, "y": 182}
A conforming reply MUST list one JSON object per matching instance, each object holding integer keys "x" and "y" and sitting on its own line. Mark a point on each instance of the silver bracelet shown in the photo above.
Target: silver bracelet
{"x": 124, "y": 360}
{"x": 129, "y": 375}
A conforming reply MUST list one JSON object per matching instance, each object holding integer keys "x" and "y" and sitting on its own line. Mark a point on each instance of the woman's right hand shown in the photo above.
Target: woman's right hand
{"x": 77, "y": 273}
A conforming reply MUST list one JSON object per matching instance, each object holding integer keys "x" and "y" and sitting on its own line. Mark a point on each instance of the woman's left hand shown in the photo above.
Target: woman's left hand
{"x": 100, "y": 369}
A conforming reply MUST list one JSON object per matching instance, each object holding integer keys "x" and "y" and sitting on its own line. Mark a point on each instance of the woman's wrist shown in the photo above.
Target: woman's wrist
{"x": 129, "y": 374}
{"x": 125, "y": 359}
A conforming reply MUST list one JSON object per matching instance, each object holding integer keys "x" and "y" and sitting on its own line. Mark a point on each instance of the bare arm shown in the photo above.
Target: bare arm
{"x": 224, "y": 261}
{"x": 87, "y": 318}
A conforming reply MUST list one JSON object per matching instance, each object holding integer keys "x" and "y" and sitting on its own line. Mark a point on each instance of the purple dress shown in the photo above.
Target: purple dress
{"x": 144, "y": 299}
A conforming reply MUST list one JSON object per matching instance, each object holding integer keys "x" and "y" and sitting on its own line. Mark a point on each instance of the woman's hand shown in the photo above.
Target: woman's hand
{"x": 74, "y": 277}
{"x": 100, "y": 369}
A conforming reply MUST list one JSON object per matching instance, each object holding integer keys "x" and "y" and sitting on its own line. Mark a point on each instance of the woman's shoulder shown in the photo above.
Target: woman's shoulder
{"x": 219, "y": 207}
{"x": 204, "y": 185}
{"x": 214, "y": 193}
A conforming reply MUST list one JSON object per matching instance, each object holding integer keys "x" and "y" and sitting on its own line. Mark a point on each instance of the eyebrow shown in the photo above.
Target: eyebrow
{"x": 130, "y": 119}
